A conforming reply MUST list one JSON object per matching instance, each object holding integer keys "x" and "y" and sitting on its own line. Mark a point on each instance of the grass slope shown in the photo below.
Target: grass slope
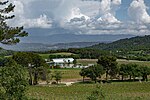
{"x": 114, "y": 91}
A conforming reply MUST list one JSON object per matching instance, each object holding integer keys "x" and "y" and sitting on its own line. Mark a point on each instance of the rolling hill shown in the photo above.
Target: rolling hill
{"x": 134, "y": 43}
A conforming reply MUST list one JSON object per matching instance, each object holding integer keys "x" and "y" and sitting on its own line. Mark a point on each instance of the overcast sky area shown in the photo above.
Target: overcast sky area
{"x": 84, "y": 16}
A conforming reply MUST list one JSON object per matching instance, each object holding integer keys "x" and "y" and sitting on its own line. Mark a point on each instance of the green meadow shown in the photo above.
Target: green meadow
{"x": 78, "y": 91}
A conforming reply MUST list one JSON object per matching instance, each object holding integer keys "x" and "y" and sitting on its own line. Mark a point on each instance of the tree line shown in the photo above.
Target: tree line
{"x": 107, "y": 65}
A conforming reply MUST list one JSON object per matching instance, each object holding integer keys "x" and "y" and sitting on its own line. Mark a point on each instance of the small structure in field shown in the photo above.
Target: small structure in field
{"x": 62, "y": 62}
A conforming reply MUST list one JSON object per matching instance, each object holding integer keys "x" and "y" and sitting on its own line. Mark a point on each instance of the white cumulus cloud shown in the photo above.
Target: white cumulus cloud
{"x": 86, "y": 16}
{"x": 22, "y": 19}
{"x": 107, "y": 11}
{"x": 138, "y": 12}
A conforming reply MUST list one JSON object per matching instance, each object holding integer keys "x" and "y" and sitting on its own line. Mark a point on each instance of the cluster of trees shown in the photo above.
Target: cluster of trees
{"x": 108, "y": 65}
{"x": 80, "y": 53}
{"x": 13, "y": 80}
{"x": 137, "y": 57}
{"x": 105, "y": 65}
{"x": 129, "y": 71}
{"x": 20, "y": 70}
{"x": 88, "y": 53}
{"x": 92, "y": 72}
{"x": 37, "y": 67}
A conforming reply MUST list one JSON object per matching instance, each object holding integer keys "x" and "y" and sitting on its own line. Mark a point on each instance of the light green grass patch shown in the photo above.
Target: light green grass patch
{"x": 114, "y": 91}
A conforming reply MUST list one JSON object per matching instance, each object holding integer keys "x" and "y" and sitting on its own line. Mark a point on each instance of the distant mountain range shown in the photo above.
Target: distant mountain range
{"x": 60, "y": 35}
{"x": 81, "y": 41}
{"x": 46, "y": 47}
{"x": 48, "y": 39}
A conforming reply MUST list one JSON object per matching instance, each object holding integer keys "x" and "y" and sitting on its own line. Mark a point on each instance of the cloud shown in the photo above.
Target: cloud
{"x": 41, "y": 22}
{"x": 138, "y": 12}
{"x": 82, "y": 16}
{"x": 22, "y": 18}
{"x": 107, "y": 11}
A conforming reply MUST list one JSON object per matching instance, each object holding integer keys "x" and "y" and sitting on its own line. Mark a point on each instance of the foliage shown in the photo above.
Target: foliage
{"x": 76, "y": 53}
{"x": 97, "y": 94}
{"x": 36, "y": 66}
{"x": 93, "y": 72}
{"x": 9, "y": 35}
{"x": 145, "y": 71}
{"x": 109, "y": 64}
{"x": 84, "y": 72}
{"x": 79, "y": 91}
{"x": 128, "y": 44}
{"x": 13, "y": 81}
{"x": 58, "y": 76}
{"x": 88, "y": 53}
{"x": 134, "y": 70}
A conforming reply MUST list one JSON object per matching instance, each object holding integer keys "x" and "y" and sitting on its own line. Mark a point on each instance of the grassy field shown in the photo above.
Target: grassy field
{"x": 113, "y": 91}
{"x": 85, "y": 62}
{"x": 142, "y": 63}
{"x": 79, "y": 91}
{"x": 120, "y": 61}
{"x": 69, "y": 74}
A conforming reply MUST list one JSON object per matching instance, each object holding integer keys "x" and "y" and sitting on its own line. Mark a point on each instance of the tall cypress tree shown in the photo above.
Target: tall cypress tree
{"x": 9, "y": 35}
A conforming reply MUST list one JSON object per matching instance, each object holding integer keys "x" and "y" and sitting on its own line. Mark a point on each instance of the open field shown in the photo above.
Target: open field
{"x": 113, "y": 91}
{"x": 79, "y": 91}
{"x": 120, "y": 61}
{"x": 142, "y": 63}
{"x": 69, "y": 74}
{"x": 85, "y": 62}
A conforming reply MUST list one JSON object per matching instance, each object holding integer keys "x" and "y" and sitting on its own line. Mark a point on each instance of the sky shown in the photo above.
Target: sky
{"x": 84, "y": 16}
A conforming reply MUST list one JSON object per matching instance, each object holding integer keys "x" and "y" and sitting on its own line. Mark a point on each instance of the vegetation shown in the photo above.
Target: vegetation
{"x": 24, "y": 68}
{"x": 109, "y": 64}
{"x": 133, "y": 70}
{"x": 135, "y": 48}
{"x": 68, "y": 74}
{"x": 97, "y": 94}
{"x": 9, "y": 35}
{"x": 115, "y": 91}
{"x": 92, "y": 72}
{"x": 34, "y": 63}
{"x": 58, "y": 76}
{"x": 128, "y": 44}
{"x": 13, "y": 81}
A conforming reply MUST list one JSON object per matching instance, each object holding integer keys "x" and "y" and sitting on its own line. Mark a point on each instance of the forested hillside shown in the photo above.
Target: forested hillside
{"x": 135, "y": 43}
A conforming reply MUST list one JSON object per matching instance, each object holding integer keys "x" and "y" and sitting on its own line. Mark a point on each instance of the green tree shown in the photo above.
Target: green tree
{"x": 132, "y": 70}
{"x": 92, "y": 72}
{"x": 95, "y": 72}
{"x": 58, "y": 76}
{"x": 36, "y": 66}
{"x": 75, "y": 62}
{"x": 123, "y": 71}
{"x": 13, "y": 81}
{"x": 84, "y": 72}
{"x": 145, "y": 71}
{"x": 9, "y": 35}
{"x": 39, "y": 67}
{"x": 25, "y": 60}
{"x": 109, "y": 64}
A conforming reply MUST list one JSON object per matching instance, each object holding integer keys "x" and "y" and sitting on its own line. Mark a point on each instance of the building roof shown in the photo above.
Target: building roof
{"x": 63, "y": 60}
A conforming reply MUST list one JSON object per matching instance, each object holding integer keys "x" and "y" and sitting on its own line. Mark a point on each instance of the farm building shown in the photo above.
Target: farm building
{"x": 62, "y": 62}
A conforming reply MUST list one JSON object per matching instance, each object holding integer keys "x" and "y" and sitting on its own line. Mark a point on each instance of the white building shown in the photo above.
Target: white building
{"x": 62, "y": 62}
